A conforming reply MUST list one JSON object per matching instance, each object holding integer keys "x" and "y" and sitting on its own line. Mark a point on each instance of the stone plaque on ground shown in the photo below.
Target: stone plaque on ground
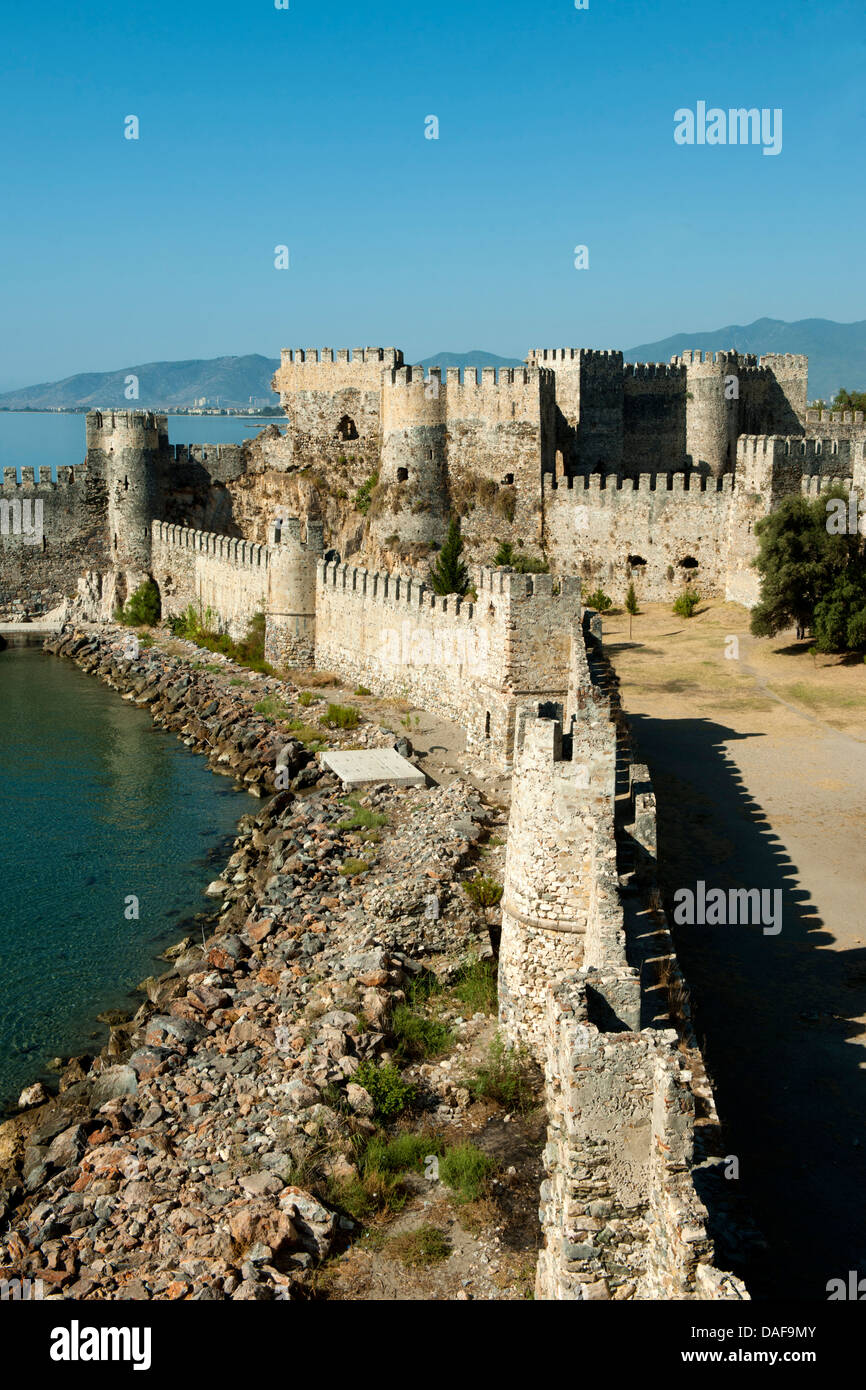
{"x": 374, "y": 765}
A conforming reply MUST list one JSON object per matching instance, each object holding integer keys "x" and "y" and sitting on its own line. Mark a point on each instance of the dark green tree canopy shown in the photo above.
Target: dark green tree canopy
{"x": 449, "y": 575}
{"x": 802, "y": 557}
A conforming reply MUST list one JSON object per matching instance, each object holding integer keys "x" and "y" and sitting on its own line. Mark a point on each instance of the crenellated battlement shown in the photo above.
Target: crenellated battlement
{"x": 649, "y": 371}
{"x": 496, "y": 377}
{"x": 729, "y": 357}
{"x": 129, "y": 420}
{"x": 789, "y": 449}
{"x": 832, "y": 418}
{"x": 386, "y": 357}
{"x": 38, "y": 476}
{"x": 813, "y": 486}
{"x": 229, "y": 549}
{"x": 789, "y": 361}
{"x": 596, "y": 483}
{"x": 552, "y": 357}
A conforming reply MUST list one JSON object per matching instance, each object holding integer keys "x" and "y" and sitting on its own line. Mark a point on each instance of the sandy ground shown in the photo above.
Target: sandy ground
{"x": 759, "y": 764}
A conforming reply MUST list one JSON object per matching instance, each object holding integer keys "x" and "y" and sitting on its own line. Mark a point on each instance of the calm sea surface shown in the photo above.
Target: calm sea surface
{"x": 29, "y": 439}
{"x": 96, "y": 805}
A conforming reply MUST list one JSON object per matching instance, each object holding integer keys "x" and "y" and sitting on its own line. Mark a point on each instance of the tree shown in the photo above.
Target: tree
{"x": 798, "y": 560}
{"x": 849, "y": 400}
{"x": 631, "y": 606}
{"x": 840, "y": 616}
{"x": 449, "y": 575}
{"x": 142, "y": 608}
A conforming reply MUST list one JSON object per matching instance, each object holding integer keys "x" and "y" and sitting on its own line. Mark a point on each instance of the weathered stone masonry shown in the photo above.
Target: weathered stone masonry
{"x": 620, "y": 1210}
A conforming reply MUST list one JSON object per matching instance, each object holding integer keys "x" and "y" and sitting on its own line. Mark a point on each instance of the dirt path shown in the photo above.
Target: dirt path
{"x": 760, "y": 771}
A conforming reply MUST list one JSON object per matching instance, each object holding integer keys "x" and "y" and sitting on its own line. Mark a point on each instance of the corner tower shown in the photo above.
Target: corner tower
{"x": 124, "y": 448}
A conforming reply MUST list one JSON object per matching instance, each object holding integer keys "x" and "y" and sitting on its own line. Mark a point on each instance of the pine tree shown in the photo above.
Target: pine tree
{"x": 449, "y": 575}
{"x": 631, "y": 606}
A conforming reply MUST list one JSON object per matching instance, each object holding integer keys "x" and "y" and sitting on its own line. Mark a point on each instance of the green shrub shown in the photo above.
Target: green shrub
{"x": 362, "y": 818}
{"x": 143, "y": 607}
{"x": 399, "y": 1155}
{"x": 362, "y": 690}
{"x": 476, "y": 987}
{"x": 483, "y": 891}
{"x": 340, "y": 717}
{"x": 351, "y": 867}
{"x": 390, "y": 1094}
{"x": 365, "y": 493}
{"x": 505, "y": 1078}
{"x": 599, "y": 600}
{"x": 272, "y": 707}
{"x": 420, "y": 1248}
{"x": 419, "y": 1037}
{"x": 685, "y": 604}
{"x": 523, "y": 564}
{"x": 309, "y": 697}
{"x": 466, "y": 1170}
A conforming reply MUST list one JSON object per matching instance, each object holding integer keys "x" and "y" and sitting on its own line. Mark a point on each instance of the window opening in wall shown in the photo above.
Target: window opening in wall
{"x": 487, "y": 724}
{"x": 633, "y": 561}
{"x": 125, "y": 484}
{"x": 402, "y": 475}
{"x": 508, "y": 480}
{"x": 347, "y": 428}
{"x": 689, "y": 563}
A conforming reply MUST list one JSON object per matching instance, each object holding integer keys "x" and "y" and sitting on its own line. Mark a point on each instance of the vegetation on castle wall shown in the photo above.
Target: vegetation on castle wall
{"x": 449, "y": 574}
{"x": 142, "y": 608}
{"x": 363, "y": 496}
{"x": 196, "y": 626}
{"x": 506, "y": 554}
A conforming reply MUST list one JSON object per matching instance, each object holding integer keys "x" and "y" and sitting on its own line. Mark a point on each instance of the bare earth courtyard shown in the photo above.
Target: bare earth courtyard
{"x": 759, "y": 765}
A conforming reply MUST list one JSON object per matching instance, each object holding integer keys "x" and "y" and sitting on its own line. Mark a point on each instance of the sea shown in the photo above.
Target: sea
{"x": 110, "y": 829}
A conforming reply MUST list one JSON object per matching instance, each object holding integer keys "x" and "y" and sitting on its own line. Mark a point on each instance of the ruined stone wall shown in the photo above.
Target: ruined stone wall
{"x": 334, "y": 403}
{"x": 45, "y": 550}
{"x": 620, "y": 1211}
{"x": 594, "y": 525}
{"x": 220, "y": 573}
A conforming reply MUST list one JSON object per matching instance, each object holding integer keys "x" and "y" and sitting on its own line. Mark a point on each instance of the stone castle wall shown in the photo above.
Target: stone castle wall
{"x": 225, "y": 575}
{"x": 620, "y": 1211}
{"x": 45, "y": 548}
{"x": 602, "y": 527}
{"x": 474, "y": 662}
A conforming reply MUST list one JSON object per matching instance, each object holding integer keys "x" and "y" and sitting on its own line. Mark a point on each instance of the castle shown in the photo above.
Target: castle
{"x": 615, "y": 474}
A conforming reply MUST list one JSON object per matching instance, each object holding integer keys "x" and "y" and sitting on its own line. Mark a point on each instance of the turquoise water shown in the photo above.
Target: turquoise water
{"x": 30, "y": 439}
{"x": 97, "y": 805}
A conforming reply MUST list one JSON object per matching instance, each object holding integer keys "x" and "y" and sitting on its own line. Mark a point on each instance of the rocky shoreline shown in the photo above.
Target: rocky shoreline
{"x": 173, "y": 1164}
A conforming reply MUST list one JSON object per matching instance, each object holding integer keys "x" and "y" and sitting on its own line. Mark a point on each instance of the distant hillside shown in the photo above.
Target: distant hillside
{"x": 836, "y": 351}
{"x": 226, "y": 381}
{"x": 475, "y": 358}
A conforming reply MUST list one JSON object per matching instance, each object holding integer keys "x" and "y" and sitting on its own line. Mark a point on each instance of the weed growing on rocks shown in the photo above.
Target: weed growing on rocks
{"x": 467, "y": 1171}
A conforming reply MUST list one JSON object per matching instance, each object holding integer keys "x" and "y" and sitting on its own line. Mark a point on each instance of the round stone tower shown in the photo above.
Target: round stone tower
{"x": 123, "y": 447}
{"x": 413, "y": 472}
{"x": 712, "y": 409}
{"x": 290, "y": 635}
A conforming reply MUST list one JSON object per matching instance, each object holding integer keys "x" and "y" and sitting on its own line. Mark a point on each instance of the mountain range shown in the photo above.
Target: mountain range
{"x": 836, "y": 352}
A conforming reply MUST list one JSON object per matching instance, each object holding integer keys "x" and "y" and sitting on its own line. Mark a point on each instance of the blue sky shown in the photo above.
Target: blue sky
{"x": 305, "y": 127}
